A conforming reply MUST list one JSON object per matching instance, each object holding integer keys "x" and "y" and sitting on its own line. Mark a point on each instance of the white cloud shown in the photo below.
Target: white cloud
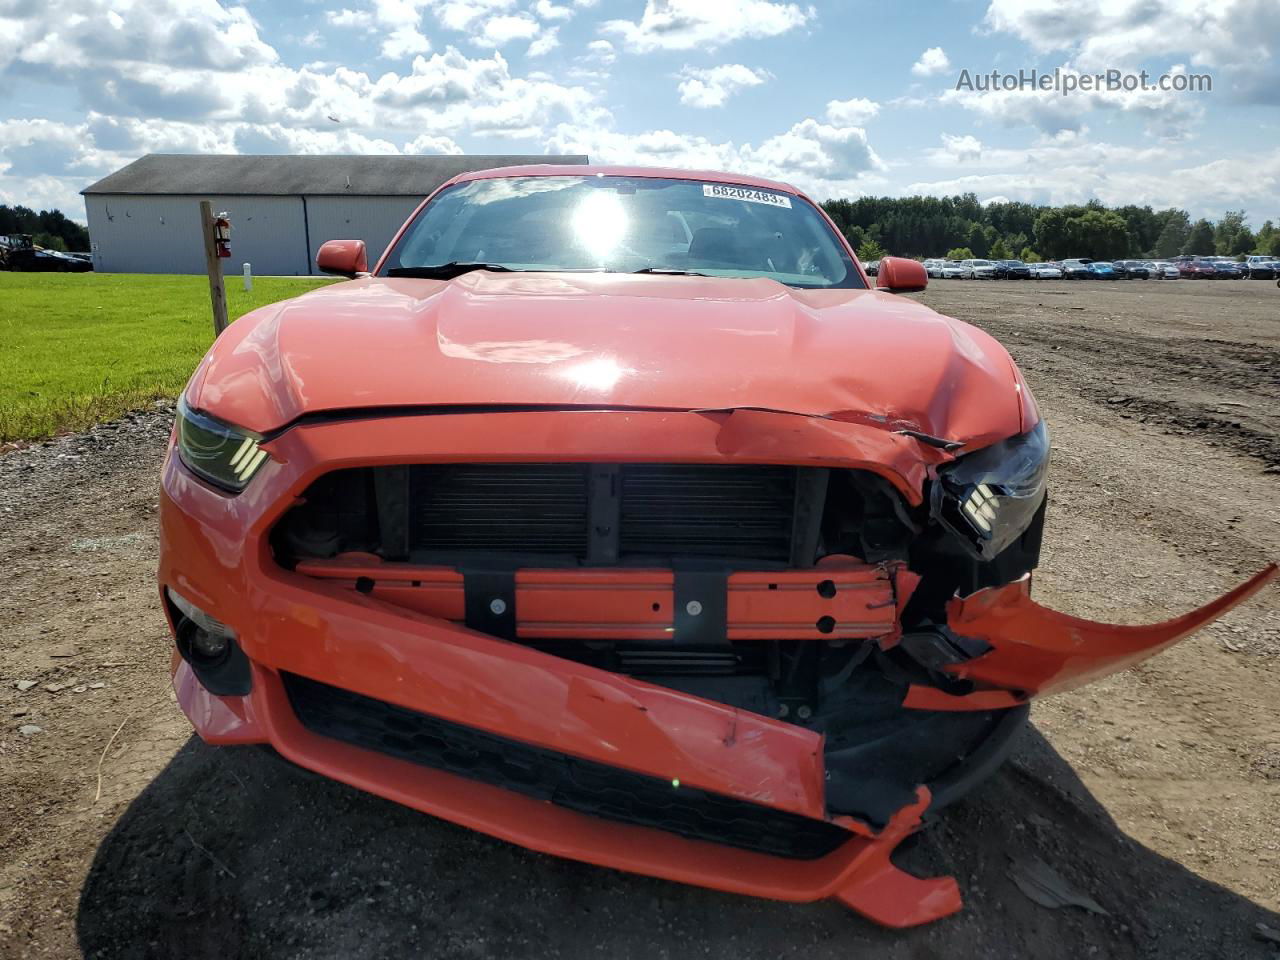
{"x": 934, "y": 60}
{"x": 1240, "y": 39}
{"x": 546, "y": 10}
{"x": 825, "y": 160}
{"x": 545, "y": 43}
{"x": 1074, "y": 169}
{"x": 501, "y": 30}
{"x": 347, "y": 17}
{"x": 601, "y": 51}
{"x": 433, "y": 145}
{"x": 704, "y": 24}
{"x": 956, "y": 150}
{"x": 462, "y": 15}
{"x": 1169, "y": 115}
{"x": 851, "y": 113}
{"x": 190, "y": 34}
{"x": 713, "y": 86}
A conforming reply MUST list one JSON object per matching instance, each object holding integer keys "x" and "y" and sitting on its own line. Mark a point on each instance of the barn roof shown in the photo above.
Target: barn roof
{"x": 285, "y": 175}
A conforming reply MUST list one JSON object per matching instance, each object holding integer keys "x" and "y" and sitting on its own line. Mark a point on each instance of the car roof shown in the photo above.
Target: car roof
{"x": 599, "y": 170}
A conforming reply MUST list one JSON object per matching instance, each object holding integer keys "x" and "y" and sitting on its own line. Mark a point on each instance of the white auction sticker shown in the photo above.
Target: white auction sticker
{"x": 726, "y": 192}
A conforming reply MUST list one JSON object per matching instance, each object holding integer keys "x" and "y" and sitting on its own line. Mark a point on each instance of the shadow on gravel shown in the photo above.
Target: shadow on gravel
{"x": 288, "y": 865}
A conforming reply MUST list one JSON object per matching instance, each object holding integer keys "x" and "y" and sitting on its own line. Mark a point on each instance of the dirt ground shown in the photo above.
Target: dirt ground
{"x": 1156, "y": 792}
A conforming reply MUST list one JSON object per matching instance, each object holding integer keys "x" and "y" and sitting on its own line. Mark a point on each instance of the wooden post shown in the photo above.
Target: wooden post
{"x": 217, "y": 289}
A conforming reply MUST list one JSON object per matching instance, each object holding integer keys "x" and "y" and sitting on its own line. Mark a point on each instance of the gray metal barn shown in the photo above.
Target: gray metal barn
{"x": 145, "y": 217}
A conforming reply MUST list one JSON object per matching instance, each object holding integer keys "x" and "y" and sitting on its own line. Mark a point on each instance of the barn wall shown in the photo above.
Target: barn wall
{"x": 374, "y": 220}
{"x": 144, "y": 234}
{"x": 161, "y": 234}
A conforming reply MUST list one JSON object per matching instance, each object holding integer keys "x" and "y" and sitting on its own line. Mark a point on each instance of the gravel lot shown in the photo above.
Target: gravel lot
{"x": 1156, "y": 792}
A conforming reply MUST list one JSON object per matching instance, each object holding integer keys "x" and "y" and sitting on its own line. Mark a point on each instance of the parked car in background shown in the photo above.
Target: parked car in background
{"x": 1012, "y": 270}
{"x": 1076, "y": 269}
{"x": 951, "y": 270}
{"x": 1046, "y": 271}
{"x": 977, "y": 270}
{"x": 1196, "y": 268}
{"x": 1263, "y": 268}
{"x": 1224, "y": 268}
{"x": 1163, "y": 270}
{"x": 19, "y": 253}
{"x": 1131, "y": 269}
{"x": 933, "y": 267}
{"x": 872, "y": 267}
{"x": 1101, "y": 270}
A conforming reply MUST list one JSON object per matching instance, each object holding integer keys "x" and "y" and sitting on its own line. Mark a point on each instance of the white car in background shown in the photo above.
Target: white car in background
{"x": 950, "y": 270}
{"x": 977, "y": 270}
{"x": 1045, "y": 271}
{"x": 934, "y": 267}
{"x": 1163, "y": 270}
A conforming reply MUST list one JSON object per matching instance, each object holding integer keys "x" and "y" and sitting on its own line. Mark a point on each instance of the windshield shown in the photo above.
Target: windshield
{"x": 624, "y": 224}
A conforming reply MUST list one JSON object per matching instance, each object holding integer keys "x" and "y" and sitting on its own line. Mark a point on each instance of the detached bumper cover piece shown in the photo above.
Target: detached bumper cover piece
{"x": 858, "y": 873}
{"x": 1037, "y": 651}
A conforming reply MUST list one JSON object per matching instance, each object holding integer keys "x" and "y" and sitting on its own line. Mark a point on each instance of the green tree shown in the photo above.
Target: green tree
{"x": 855, "y": 235}
{"x": 1262, "y": 239}
{"x": 1273, "y": 245}
{"x": 1050, "y": 231}
{"x": 1199, "y": 242}
{"x": 21, "y": 219}
{"x": 1099, "y": 234}
{"x": 1227, "y": 230}
{"x": 1029, "y": 256}
{"x": 1000, "y": 250}
{"x": 49, "y": 241}
{"x": 1241, "y": 243}
{"x": 1173, "y": 236}
{"x": 960, "y": 253}
{"x": 977, "y": 240}
{"x": 870, "y": 250}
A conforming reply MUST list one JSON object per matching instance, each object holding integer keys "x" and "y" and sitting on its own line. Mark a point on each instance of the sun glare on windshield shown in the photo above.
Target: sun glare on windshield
{"x": 599, "y": 224}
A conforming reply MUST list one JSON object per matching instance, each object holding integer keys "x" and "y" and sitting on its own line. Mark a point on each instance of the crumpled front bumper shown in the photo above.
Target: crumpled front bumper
{"x": 215, "y": 552}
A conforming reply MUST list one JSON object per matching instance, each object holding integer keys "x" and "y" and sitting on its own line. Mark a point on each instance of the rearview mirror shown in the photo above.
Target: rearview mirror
{"x": 900, "y": 275}
{"x": 345, "y": 258}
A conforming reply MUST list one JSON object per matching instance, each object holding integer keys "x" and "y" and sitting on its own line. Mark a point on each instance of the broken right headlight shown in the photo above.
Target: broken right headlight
{"x": 989, "y": 497}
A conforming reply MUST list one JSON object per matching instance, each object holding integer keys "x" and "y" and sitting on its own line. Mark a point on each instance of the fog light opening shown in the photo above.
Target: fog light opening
{"x": 205, "y": 637}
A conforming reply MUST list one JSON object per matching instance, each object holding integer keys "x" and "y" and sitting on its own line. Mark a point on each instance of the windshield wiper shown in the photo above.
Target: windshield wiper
{"x": 446, "y": 271}
{"x": 671, "y": 272}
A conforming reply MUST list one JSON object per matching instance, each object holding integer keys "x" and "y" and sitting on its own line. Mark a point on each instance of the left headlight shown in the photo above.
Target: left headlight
{"x": 226, "y": 456}
{"x": 990, "y": 497}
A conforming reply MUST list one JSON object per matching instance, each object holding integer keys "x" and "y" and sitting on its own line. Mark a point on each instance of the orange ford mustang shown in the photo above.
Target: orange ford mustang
{"x": 614, "y": 514}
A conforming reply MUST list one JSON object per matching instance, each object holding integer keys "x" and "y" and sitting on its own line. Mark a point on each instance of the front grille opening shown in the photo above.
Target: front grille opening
{"x": 522, "y": 508}
{"x": 710, "y": 511}
{"x": 557, "y": 514}
{"x": 585, "y": 786}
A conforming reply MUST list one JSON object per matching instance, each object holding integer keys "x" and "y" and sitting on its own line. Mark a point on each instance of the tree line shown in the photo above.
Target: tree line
{"x": 48, "y": 228}
{"x": 961, "y": 228}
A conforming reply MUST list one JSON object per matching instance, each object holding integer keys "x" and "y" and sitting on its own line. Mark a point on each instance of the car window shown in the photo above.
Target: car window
{"x": 625, "y": 224}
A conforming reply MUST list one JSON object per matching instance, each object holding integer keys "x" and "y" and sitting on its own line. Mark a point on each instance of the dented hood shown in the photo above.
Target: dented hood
{"x": 608, "y": 340}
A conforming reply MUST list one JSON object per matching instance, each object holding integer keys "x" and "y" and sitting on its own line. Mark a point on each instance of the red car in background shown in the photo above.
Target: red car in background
{"x": 615, "y": 514}
{"x": 1196, "y": 269}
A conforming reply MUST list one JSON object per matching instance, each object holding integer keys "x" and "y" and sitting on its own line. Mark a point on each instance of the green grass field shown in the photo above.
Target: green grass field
{"x": 77, "y": 349}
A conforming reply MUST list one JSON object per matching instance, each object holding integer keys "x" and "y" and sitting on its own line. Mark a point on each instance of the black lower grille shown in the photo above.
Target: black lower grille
{"x": 521, "y": 508}
{"x": 561, "y": 513}
{"x": 703, "y": 510}
{"x": 581, "y": 785}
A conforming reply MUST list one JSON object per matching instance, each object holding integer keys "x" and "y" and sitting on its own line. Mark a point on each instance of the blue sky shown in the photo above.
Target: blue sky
{"x": 841, "y": 98}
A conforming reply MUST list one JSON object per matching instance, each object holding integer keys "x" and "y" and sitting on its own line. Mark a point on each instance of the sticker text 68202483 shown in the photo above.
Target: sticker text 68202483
{"x": 725, "y": 191}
